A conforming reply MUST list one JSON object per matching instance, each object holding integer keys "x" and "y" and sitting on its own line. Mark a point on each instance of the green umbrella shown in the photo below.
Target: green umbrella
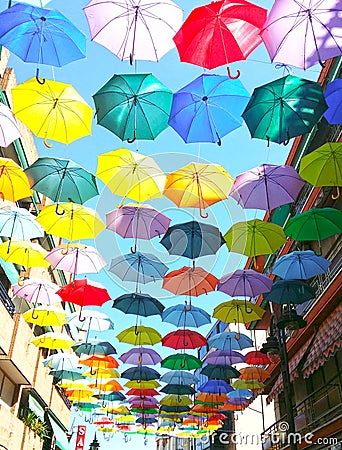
{"x": 133, "y": 106}
{"x": 285, "y": 108}
{"x": 181, "y": 361}
{"x": 254, "y": 237}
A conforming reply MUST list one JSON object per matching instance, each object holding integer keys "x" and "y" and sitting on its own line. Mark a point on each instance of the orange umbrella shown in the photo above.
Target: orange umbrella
{"x": 108, "y": 386}
{"x": 192, "y": 281}
{"x": 100, "y": 362}
{"x": 207, "y": 397}
{"x": 203, "y": 409}
{"x": 254, "y": 373}
{"x": 231, "y": 407}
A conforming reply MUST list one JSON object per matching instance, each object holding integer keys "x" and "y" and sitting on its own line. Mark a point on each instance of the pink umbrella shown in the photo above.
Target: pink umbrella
{"x": 246, "y": 283}
{"x": 9, "y": 128}
{"x": 37, "y": 290}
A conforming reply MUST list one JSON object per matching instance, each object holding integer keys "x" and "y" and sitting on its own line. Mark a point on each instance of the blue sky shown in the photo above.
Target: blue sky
{"x": 237, "y": 154}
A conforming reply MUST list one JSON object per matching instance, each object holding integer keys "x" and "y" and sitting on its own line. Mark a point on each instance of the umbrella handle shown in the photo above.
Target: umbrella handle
{"x": 92, "y": 372}
{"x": 130, "y": 141}
{"x": 59, "y": 213}
{"x": 134, "y": 249}
{"x": 186, "y": 307}
{"x": 2, "y": 196}
{"x": 47, "y": 144}
{"x": 136, "y": 332}
{"x": 233, "y": 77}
{"x": 237, "y": 338}
{"x": 334, "y": 197}
{"x": 40, "y": 81}
{"x": 182, "y": 365}
{"x": 34, "y": 316}
{"x": 248, "y": 310}
{"x": 80, "y": 318}
{"x": 20, "y": 282}
{"x": 203, "y": 214}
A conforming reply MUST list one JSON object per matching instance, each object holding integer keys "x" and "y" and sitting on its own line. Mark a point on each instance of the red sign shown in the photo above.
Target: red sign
{"x": 80, "y": 439}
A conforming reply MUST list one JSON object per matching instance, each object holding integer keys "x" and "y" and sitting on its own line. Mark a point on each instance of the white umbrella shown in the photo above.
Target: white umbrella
{"x": 37, "y": 290}
{"x": 91, "y": 320}
{"x": 76, "y": 260}
{"x": 9, "y": 128}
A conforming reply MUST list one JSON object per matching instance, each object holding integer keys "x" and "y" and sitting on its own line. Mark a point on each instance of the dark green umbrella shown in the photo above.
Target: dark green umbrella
{"x": 133, "y": 106}
{"x": 72, "y": 375}
{"x": 285, "y": 108}
{"x": 138, "y": 304}
{"x": 140, "y": 373}
{"x": 174, "y": 409}
{"x": 214, "y": 371}
{"x": 181, "y": 361}
{"x": 290, "y": 291}
{"x": 178, "y": 389}
{"x": 112, "y": 397}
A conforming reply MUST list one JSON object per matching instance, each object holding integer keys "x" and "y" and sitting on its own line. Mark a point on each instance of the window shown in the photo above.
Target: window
{"x": 8, "y": 391}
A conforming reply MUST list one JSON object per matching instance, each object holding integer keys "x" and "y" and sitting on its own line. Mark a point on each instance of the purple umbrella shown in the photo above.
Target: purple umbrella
{"x": 9, "y": 128}
{"x": 145, "y": 400}
{"x": 224, "y": 357}
{"x": 333, "y": 97}
{"x": 141, "y": 355}
{"x": 303, "y": 32}
{"x": 76, "y": 260}
{"x": 37, "y": 290}
{"x": 247, "y": 283}
{"x": 267, "y": 186}
{"x": 238, "y": 401}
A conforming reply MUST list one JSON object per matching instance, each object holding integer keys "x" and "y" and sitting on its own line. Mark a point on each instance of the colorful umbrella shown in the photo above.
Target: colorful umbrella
{"x": 181, "y": 361}
{"x": 192, "y": 239}
{"x": 214, "y": 371}
{"x": 254, "y": 373}
{"x": 37, "y": 290}
{"x": 179, "y": 377}
{"x": 108, "y": 386}
{"x": 174, "y": 409}
{"x": 245, "y": 282}
{"x": 102, "y": 373}
{"x": 267, "y": 187}
{"x": 134, "y": 384}
{"x": 224, "y": 357}
{"x": 184, "y": 339}
{"x": 333, "y": 97}
{"x": 184, "y": 316}
{"x": 300, "y": 265}
{"x": 215, "y": 387}
{"x": 135, "y": 29}
{"x": 179, "y": 389}
{"x": 210, "y": 399}
{"x": 284, "y": 108}
{"x": 141, "y": 373}
{"x": 76, "y": 260}
{"x": 248, "y": 384}
{"x": 258, "y": 358}
{"x": 45, "y": 316}
{"x": 220, "y": 33}
{"x": 91, "y": 320}
{"x": 254, "y": 237}
{"x": 62, "y": 180}
{"x": 9, "y": 128}
{"x": 208, "y": 108}
{"x": 303, "y": 32}
{"x": 99, "y": 362}
{"x": 175, "y": 400}
{"x": 133, "y": 106}
{"x": 238, "y": 311}
{"x": 290, "y": 291}
{"x": 18, "y": 223}
{"x": 240, "y": 393}
{"x": 198, "y": 185}
{"x": 192, "y": 281}
{"x": 138, "y": 304}
{"x": 60, "y": 361}
{"x": 52, "y": 110}
{"x": 141, "y": 355}
{"x": 72, "y": 374}
{"x": 131, "y": 174}
{"x": 14, "y": 184}
{"x": 94, "y": 346}
{"x": 53, "y": 341}
{"x": 139, "y": 335}
{"x": 143, "y": 392}
{"x": 230, "y": 340}
{"x": 25, "y": 253}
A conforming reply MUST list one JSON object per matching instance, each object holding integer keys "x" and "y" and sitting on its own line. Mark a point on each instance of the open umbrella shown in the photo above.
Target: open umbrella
{"x": 143, "y": 392}
{"x": 198, "y": 185}
{"x": 52, "y": 110}
{"x": 214, "y": 371}
{"x": 220, "y": 33}
{"x": 333, "y": 97}
{"x": 94, "y": 346}
{"x": 184, "y": 316}
{"x": 141, "y": 355}
{"x": 224, "y": 357}
{"x": 290, "y": 291}
{"x": 137, "y": 29}
{"x": 140, "y": 373}
{"x": 230, "y": 340}
{"x": 238, "y": 311}
{"x": 179, "y": 389}
{"x": 133, "y": 106}
{"x": 14, "y": 184}
{"x": 208, "y": 108}
{"x": 175, "y": 400}
{"x": 138, "y": 304}
{"x": 25, "y": 253}
{"x": 37, "y": 290}
{"x": 179, "y": 377}
{"x": 258, "y": 358}
{"x": 18, "y": 223}
{"x": 300, "y": 265}
{"x": 215, "y": 387}
{"x": 53, "y": 341}
{"x": 99, "y": 362}
{"x": 131, "y": 174}
{"x": 90, "y": 320}
{"x": 181, "y": 361}
{"x": 135, "y": 384}
{"x": 76, "y": 260}
{"x": 102, "y": 373}
{"x": 207, "y": 398}
{"x": 284, "y": 108}
{"x": 59, "y": 361}
{"x": 254, "y": 373}
{"x": 303, "y": 32}
{"x": 192, "y": 281}
{"x": 9, "y": 128}
{"x": 45, "y": 316}
{"x": 72, "y": 374}
{"x": 244, "y": 282}
{"x": 62, "y": 180}
{"x": 139, "y": 335}
{"x": 184, "y": 339}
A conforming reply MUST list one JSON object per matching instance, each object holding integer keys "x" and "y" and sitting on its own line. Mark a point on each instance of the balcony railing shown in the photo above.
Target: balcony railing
{"x": 6, "y": 300}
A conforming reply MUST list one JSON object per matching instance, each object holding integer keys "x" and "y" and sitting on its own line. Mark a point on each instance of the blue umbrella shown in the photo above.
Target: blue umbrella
{"x": 182, "y": 316}
{"x": 140, "y": 373}
{"x": 216, "y": 387}
{"x": 111, "y": 397}
{"x": 179, "y": 377}
{"x": 230, "y": 340}
{"x": 138, "y": 267}
{"x": 208, "y": 108}
{"x": 18, "y": 223}
{"x": 192, "y": 239}
{"x": 240, "y": 393}
{"x": 146, "y": 420}
{"x": 94, "y": 346}
{"x": 300, "y": 265}
{"x": 295, "y": 292}
{"x": 138, "y": 304}
{"x": 333, "y": 97}
{"x": 70, "y": 374}
{"x": 41, "y": 36}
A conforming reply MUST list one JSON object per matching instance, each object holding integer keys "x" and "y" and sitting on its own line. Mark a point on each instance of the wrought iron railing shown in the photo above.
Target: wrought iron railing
{"x": 6, "y": 300}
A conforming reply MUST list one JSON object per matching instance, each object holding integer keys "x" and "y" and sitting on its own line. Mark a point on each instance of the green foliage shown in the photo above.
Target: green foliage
{"x": 35, "y": 424}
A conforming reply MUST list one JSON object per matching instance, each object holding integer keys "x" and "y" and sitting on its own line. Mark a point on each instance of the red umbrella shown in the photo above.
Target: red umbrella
{"x": 192, "y": 281}
{"x": 220, "y": 33}
{"x": 257, "y": 358}
{"x": 143, "y": 392}
{"x": 184, "y": 339}
{"x": 84, "y": 292}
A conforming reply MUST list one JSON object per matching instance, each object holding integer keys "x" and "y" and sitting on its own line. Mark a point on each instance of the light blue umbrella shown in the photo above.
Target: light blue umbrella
{"x": 94, "y": 346}
{"x": 179, "y": 377}
{"x": 18, "y": 223}
{"x": 240, "y": 393}
{"x": 230, "y": 340}
{"x": 300, "y": 265}
{"x": 184, "y": 316}
{"x": 70, "y": 374}
{"x": 60, "y": 361}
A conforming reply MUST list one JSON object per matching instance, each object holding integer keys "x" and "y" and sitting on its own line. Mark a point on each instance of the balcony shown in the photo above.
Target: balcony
{"x": 6, "y": 300}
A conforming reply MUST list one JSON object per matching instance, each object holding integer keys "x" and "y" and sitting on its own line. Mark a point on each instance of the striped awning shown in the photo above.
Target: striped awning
{"x": 327, "y": 342}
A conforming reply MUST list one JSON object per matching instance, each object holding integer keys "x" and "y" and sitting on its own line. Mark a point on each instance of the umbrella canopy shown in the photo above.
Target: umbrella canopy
{"x": 94, "y": 346}
{"x": 69, "y": 374}
{"x": 139, "y": 335}
{"x": 181, "y": 361}
{"x": 192, "y": 239}
{"x": 137, "y": 29}
{"x": 224, "y": 357}
{"x": 240, "y": 393}
{"x": 184, "y": 339}
{"x": 290, "y": 291}
{"x": 245, "y": 282}
{"x": 184, "y": 316}
{"x": 131, "y": 174}
{"x": 215, "y": 387}
{"x": 210, "y": 399}
{"x": 141, "y": 355}
{"x": 284, "y": 108}
{"x": 315, "y": 224}
{"x": 133, "y": 106}
{"x": 220, "y": 33}
{"x": 136, "y": 384}
{"x": 40, "y": 35}
{"x": 143, "y": 392}
{"x": 179, "y": 389}
{"x": 100, "y": 362}
{"x": 14, "y": 183}
{"x": 52, "y": 110}
{"x": 175, "y": 400}
{"x": 177, "y": 409}
{"x": 254, "y": 373}
{"x": 25, "y": 253}
{"x": 18, "y": 223}
{"x": 254, "y": 237}
{"x": 140, "y": 373}
{"x": 300, "y": 265}
{"x": 107, "y": 386}
{"x": 60, "y": 361}
{"x": 53, "y": 341}
{"x": 45, "y": 316}
{"x": 267, "y": 187}
{"x": 138, "y": 304}
{"x": 76, "y": 260}
{"x": 90, "y": 320}
{"x": 230, "y": 340}
{"x": 248, "y": 384}
{"x": 257, "y": 358}
{"x": 214, "y": 371}
{"x": 9, "y": 128}
{"x": 238, "y": 311}
{"x": 198, "y": 185}
{"x": 84, "y": 292}
{"x": 101, "y": 373}
{"x": 179, "y": 377}
{"x": 112, "y": 397}
{"x": 302, "y": 32}
{"x": 192, "y": 281}
{"x": 70, "y": 221}
{"x": 333, "y": 97}
{"x": 37, "y": 290}
{"x": 208, "y": 108}
{"x": 62, "y": 180}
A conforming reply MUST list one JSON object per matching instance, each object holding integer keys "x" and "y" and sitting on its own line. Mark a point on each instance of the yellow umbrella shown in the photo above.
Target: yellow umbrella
{"x": 119, "y": 410}
{"x": 175, "y": 400}
{"x": 70, "y": 221}
{"x": 52, "y": 110}
{"x": 198, "y": 185}
{"x": 25, "y": 253}
{"x": 108, "y": 386}
{"x": 53, "y": 341}
{"x": 131, "y": 174}
{"x": 77, "y": 384}
{"x": 102, "y": 373}
{"x": 139, "y": 335}
{"x": 248, "y": 384}
{"x": 137, "y": 384}
{"x": 128, "y": 419}
{"x": 14, "y": 183}
{"x": 238, "y": 311}
{"x": 45, "y": 317}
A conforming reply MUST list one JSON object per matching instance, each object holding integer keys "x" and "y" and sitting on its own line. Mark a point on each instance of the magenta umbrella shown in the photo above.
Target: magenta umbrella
{"x": 303, "y": 32}
{"x": 267, "y": 186}
{"x": 141, "y": 355}
{"x": 245, "y": 282}
{"x": 9, "y": 128}
{"x": 224, "y": 358}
